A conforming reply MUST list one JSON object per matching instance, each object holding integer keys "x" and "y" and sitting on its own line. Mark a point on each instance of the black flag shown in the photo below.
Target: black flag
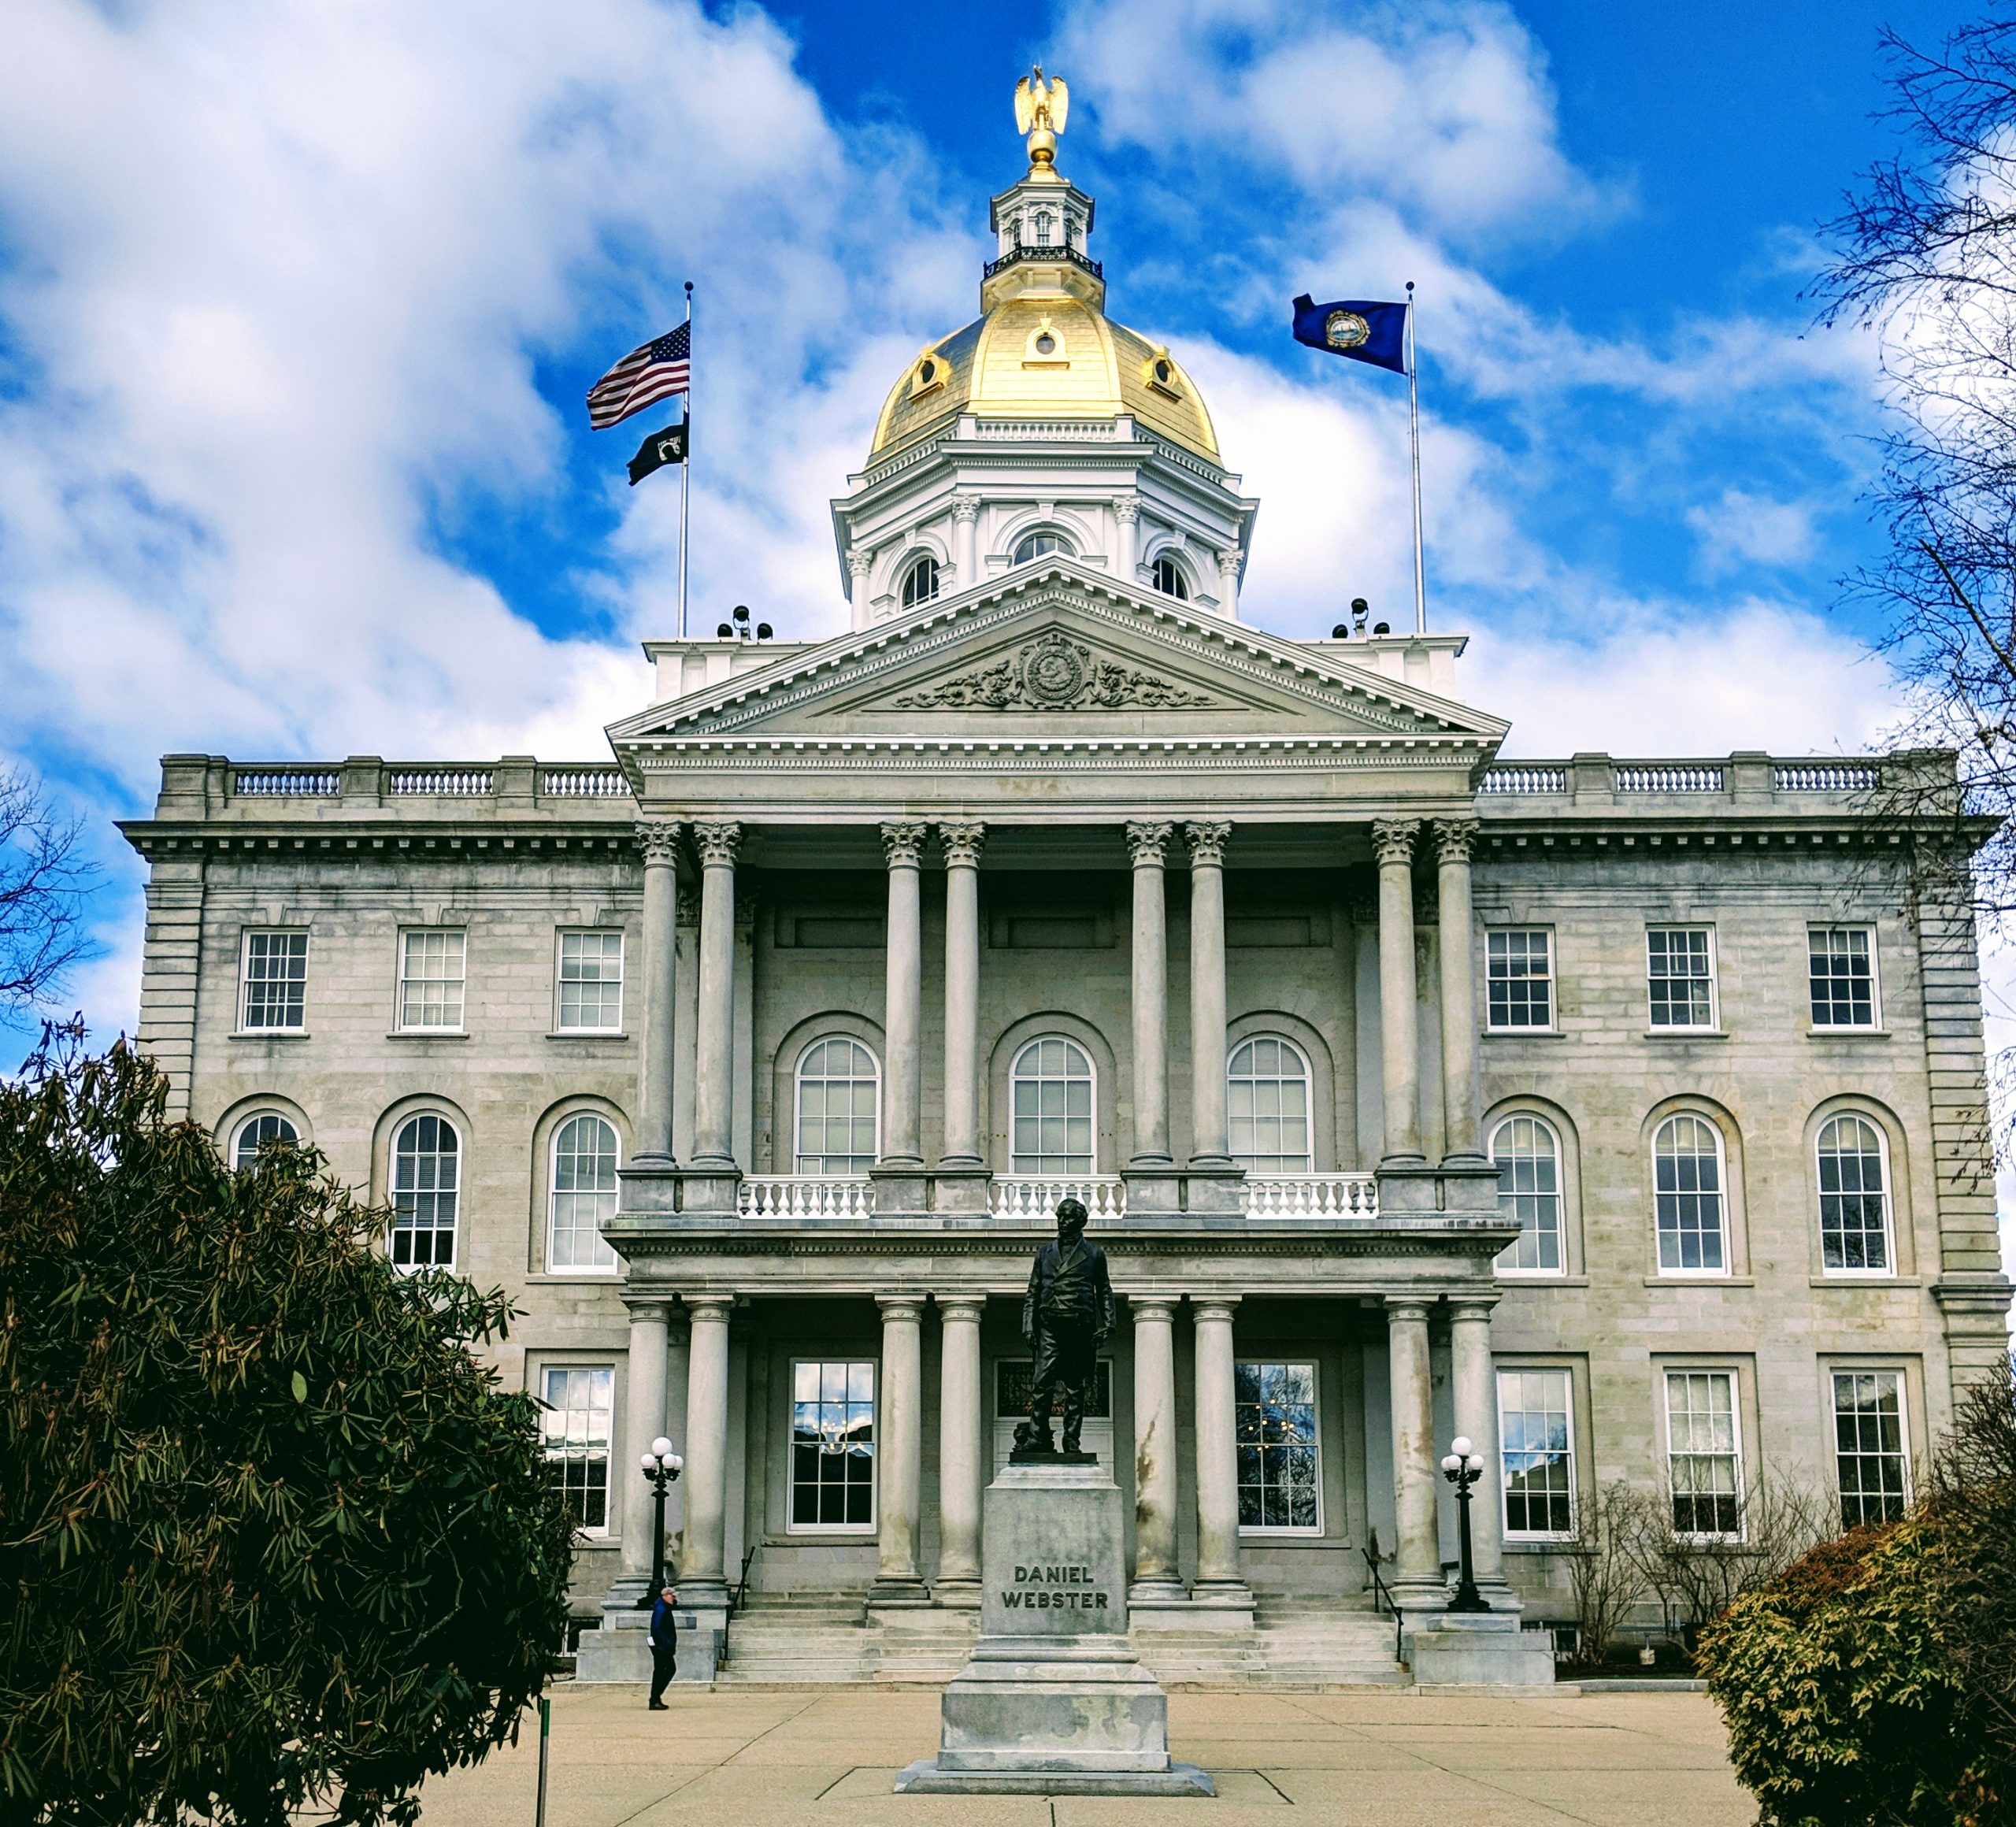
{"x": 658, "y": 450}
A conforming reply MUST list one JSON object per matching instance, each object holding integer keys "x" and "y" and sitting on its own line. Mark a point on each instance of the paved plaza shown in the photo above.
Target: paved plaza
{"x": 764, "y": 1760}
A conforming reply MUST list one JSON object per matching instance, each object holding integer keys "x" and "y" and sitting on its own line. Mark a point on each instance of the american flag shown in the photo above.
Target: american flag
{"x": 652, "y": 371}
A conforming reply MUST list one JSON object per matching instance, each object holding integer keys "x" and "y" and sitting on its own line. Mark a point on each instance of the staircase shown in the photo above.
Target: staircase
{"x": 827, "y": 1640}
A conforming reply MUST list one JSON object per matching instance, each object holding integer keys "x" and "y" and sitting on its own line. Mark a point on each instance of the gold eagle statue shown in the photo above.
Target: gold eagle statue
{"x": 1042, "y": 107}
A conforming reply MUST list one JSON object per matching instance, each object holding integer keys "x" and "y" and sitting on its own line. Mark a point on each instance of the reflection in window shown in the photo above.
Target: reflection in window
{"x": 1703, "y": 1465}
{"x": 1536, "y": 1441}
{"x": 1035, "y": 545}
{"x": 1854, "y": 1199}
{"x": 1267, "y": 1105}
{"x": 1869, "y": 1460}
{"x": 426, "y": 1189}
{"x": 276, "y": 980}
{"x": 1050, "y": 1095}
{"x": 921, "y": 582}
{"x": 591, "y": 982}
{"x": 1275, "y": 1417}
{"x": 1841, "y": 977}
{"x": 1687, "y": 1197}
{"x": 1529, "y": 1161}
{"x": 579, "y": 1404}
{"x": 836, "y": 1105}
{"x": 832, "y": 1452}
{"x": 584, "y": 1162}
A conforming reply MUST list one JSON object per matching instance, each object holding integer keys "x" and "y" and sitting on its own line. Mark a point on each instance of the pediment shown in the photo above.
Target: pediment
{"x": 1062, "y": 653}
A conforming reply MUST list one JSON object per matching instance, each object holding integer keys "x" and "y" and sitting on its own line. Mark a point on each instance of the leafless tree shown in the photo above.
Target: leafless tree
{"x": 1699, "y": 1576}
{"x": 44, "y": 879}
{"x": 1603, "y": 1569}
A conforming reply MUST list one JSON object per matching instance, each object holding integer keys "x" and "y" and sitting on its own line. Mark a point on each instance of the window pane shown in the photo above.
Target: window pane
{"x": 276, "y": 979}
{"x": 1703, "y": 1466}
{"x": 833, "y": 1443}
{"x": 1536, "y": 1443}
{"x": 837, "y": 1097}
{"x": 426, "y": 1181}
{"x": 1050, "y": 1092}
{"x": 1869, "y": 1460}
{"x": 1519, "y": 979}
{"x": 583, "y": 1194}
{"x": 267, "y": 1128}
{"x": 431, "y": 979}
{"x": 1854, "y": 1199}
{"x": 1267, "y": 1102}
{"x": 576, "y": 1421}
{"x": 591, "y": 981}
{"x": 1528, "y": 1162}
{"x": 1680, "y": 977}
{"x": 1687, "y": 1196}
{"x": 1274, "y": 1419}
{"x": 1841, "y": 977}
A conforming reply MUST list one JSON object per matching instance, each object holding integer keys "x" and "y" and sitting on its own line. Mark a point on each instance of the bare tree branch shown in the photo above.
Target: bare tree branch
{"x": 44, "y": 881}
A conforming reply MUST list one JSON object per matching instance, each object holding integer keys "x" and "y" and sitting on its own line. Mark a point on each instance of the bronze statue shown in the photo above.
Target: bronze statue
{"x": 1067, "y": 1315}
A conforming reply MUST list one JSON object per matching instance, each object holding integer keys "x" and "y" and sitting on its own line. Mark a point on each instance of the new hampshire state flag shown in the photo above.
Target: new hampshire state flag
{"x": 1359, "y": 329}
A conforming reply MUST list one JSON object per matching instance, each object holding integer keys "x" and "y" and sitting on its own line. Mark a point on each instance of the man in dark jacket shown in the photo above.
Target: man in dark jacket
{"x": 1067, "y": 1315}
{"x": 664, "y": 1645}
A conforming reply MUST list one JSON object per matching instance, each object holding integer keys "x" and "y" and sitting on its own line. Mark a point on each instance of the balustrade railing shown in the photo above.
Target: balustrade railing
{"x": 1523, "y": 780}
{"x": 1670, "y": 778}
{"x": 278, "y": 782}
{"x": 444, "y": 782}
{"x": 807, "y": 1195}
{"x": 1312, "y": 1196}
{"x": 1016, "y": 1196}
{"x": 1826, "y": 777}
{"x": 583, "y": 783}
{"x": 1022, "y": 250}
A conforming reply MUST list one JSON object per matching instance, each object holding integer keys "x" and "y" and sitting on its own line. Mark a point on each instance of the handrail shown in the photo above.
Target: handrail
{"x": 1381, "y": 1590}
{"x": 737, "y": 1599}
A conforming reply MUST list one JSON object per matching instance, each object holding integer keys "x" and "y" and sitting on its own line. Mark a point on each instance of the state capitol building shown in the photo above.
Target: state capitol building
{"x": 1625, "y": 1117}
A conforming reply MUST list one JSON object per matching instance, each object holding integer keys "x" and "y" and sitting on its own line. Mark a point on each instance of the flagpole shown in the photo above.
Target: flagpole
{"x": 1413, "y": 427}
{"x": 686, "y": 469}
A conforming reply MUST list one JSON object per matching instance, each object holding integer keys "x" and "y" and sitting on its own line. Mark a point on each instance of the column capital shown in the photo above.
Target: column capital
{"x": 1393, "y": 840}
{"x": 659, "y": 1304}
{"x": 709, "y": 1308}
{"x": 658, "y": 839}
{"x": 860, "y": 563}
{"x": 1455, "y": 839}
{"x": 1472, "y": 1306}
{"x": 902, "y": 842}
{"x": 969, "y": 1309}
{"x": 962, "y": 840}
{"x": 1409, "y": 1307}
{"x": 1147, "y": 840}
{"x": 1127, "y": 508}
{"x": 902, "y": 1307}
{"x": 1213, "y": 1306}
{"x": 1207, "y": 838}
{"x": 965, "y": 508}
{"x": 1155, "y": 1309}
{"x": 719, "y": 840}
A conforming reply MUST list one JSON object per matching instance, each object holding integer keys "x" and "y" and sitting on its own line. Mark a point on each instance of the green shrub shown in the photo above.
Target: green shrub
{"x": 268, "y": 1533}
{"x": 1844, "y": 1705}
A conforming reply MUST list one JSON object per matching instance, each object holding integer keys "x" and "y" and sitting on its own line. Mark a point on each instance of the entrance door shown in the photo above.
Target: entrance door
{"x": 1011, "y": 1404}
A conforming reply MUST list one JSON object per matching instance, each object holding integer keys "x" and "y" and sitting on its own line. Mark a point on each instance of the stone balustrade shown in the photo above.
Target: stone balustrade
{"x": 805, "y": 1195}
{"x": 1035, "y": 1197}
{"x": 1312, "y": 1196}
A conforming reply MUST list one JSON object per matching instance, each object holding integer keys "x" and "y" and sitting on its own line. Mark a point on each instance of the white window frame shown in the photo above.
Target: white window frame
{"x": 601, "y": 1271}
{"x": 1314, "y": 1368}
{"x": 561, "y": 1025}
{"x": 1504, "y": 1264}
{"x": 1728, "y": 1373}
{"x": 1545, "y": 934}
{"x": 1063, "y": 548}
{"x": 1567, "y": 1376}
{"x": 912, "y": 570}
{"x": 1015, "y": 1157}
{"x": 1835, "y": 1372}
{"x": 408, "y": 982}
{"x": 1181, "y": 592}
{"x": 1725, "y": 1227}
{"x": 245, "y": 1023}
{"x": 1867, "y": 928}
{"x": 1714, "y": 1024}
{"x": 561, "y": 1451}
{"x": 792, "y": 1525}
{"x": 1308, "y": 1108}
{"x": 393, "y": 1189}
{"x": 246, "y": 1122}
{"x": 1889, "y": 1270}
{"x": 799, "y": 1154}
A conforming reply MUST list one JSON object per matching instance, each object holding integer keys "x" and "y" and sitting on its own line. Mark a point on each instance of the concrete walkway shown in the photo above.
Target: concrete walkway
{"x": 767, "y": 1759}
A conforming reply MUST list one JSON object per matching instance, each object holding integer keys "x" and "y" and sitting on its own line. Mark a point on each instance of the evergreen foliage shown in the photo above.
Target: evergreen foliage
{"x": 270, "y": 1535}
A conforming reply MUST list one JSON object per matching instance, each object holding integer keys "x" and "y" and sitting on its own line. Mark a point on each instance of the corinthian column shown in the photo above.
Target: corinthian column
{"x": 961, "y": 843}
{"x": 1127, "y": 511}
{"x": 1393, "y": 843}
{"x": 1461, "y": 1118}
{"x": 966, "y": 560}
{"x": 902, "y": 1105}
{"x": 1146, "y": 841}
{"x": 859, "y": 564}
{"x": 658, "y": 839}
{"x": 713, "y": 1091}
{"x": 1210, "y": 1142}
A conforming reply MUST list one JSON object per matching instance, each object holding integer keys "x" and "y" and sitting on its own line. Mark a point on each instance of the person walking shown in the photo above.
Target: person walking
{"x": 664, "y": 1645}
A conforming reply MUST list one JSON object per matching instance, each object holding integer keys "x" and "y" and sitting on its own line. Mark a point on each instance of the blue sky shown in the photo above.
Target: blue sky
{"x": 297, "y": 306}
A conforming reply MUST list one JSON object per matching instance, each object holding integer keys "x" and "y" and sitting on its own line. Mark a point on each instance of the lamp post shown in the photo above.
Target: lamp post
{"x": 1462, "y": 1468}
{"x": 661, "y": 1465}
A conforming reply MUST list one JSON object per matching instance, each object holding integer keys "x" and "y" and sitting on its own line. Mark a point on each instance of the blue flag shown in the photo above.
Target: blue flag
{"x": 1360, "y": 329}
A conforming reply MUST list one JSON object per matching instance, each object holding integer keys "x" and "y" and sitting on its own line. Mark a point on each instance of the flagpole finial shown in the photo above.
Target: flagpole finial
{"x": 1042, "y": 106}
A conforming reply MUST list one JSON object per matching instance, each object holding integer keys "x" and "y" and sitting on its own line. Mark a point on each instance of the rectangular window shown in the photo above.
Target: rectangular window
{"x": 1871, "y": 1463}
{"x": 430, "y": 970}
{"x": 579, "y": 1405}
{"x": 1275, "y": 1419}
{"x": 1519, "y": 978}
{"x": 274, "y": 981}
{"x": 832, "y": 1444}
{"x": 1680, "y": 975}
{"x": 591, "y": 983}
{"x": 1704, "y": 1463}
{"x": 1841, "y": 976}
{"x": 1536, "y": 1437}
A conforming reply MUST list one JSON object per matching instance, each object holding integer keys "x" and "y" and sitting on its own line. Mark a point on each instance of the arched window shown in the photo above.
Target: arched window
{"x": 1168, "y": 578}
{"x": 1034, "y": 545}
{"x": 1687, "y": 1197}
{"x": 427, "y": 1161}
{"x": 836, "y": 1107}
{"x": 1855, "y": 1198}
{"x": 1050, "y": 1102}
{"x": 1267, "y": 1104}
{"x": 257, "y": 1132}
{"x": 921, "y": 582}
{"x": 1528, "y": 1157}
{"x": 1045, "y": 223}
{"x": 584, "y": 1161}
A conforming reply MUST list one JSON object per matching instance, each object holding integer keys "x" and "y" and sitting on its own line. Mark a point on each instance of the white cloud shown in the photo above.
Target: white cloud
{"x": 1742, "y": 526}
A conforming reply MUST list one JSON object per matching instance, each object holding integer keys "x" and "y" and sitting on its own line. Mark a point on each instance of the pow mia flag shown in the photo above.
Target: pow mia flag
{"x": 658, "y": 450}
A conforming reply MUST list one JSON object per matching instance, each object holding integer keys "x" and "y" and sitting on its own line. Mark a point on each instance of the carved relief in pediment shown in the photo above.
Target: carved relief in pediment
{"x": 1055, "y": 672}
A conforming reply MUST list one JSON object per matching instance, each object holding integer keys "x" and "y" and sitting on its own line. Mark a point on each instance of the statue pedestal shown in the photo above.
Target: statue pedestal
{"x": 1053, "y": 1701}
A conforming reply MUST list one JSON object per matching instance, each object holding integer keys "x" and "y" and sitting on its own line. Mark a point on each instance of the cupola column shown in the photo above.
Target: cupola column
{"x": 1228, "y": 583}
{"x": 859, "y": 564}
{"x": 966, "y": 541}
{"x": 1127, "y": 511}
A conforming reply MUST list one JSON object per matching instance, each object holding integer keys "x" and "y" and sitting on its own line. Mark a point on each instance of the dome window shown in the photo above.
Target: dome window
{"x": 921, "y": 582}
{"x": 931, "y": 373}
{"x": 1044, "y": 347}
{"x": 1161, "y": 373}
{"x": 1045, "y": 343}
{"x": 1034, "y": 545}
{"x": 1168, "y": 579}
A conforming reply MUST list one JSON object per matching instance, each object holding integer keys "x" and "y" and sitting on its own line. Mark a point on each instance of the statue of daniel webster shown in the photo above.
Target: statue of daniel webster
{"x": 1066, "y": 1316}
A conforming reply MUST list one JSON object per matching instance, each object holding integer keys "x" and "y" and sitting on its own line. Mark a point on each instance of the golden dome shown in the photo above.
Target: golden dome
{"x": 1045, "y": 354}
